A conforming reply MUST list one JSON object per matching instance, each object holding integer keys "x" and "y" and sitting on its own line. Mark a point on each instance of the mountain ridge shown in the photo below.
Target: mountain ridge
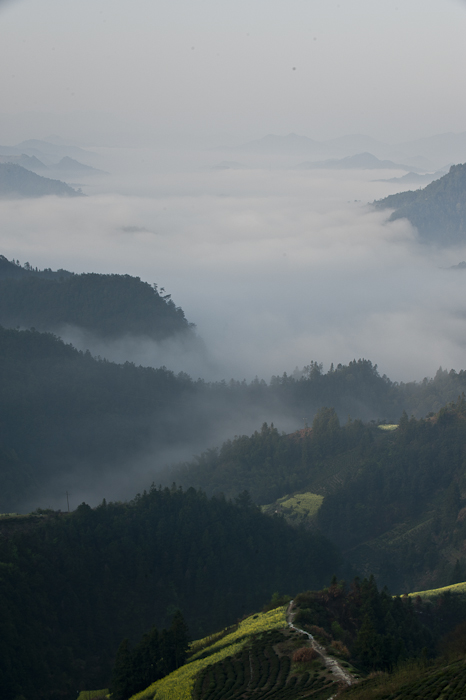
{"x": 438, "y": 211}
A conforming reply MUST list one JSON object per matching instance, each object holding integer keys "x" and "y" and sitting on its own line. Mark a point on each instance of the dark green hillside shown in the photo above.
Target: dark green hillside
{"x": 269, "y": 464}
{"x": 400, "y": 513}
{"x": 372, "y": 629}
{"x": 16, "y": 181}
{"x": 69, "y": 421}
{"x": 73, "y": 586}
{"x": 438, "y": 211}
{"x": 109, "y": 306}
{"x": 62, "y": 412}
{"x": 393, "y": 500}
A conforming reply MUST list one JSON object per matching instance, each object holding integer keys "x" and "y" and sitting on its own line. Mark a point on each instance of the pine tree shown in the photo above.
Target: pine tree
{"x": 123, "y": 680}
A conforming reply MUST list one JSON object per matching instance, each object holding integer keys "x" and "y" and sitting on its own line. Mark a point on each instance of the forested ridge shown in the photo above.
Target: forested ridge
{"x": 73, "y": 586}
{"x": 438, "y": 211}
{"x": 109, "y": 306}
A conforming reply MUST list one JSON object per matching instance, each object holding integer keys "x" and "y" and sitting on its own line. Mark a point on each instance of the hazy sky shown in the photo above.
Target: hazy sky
{"x": 239, "y": 68}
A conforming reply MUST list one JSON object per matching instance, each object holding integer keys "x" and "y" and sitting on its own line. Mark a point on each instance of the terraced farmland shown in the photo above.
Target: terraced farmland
{"x": 265, "y": 670}
{"x": 252, "y": 660}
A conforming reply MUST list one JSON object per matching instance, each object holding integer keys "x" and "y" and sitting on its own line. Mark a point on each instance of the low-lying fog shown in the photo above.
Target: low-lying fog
{"x": 276, "y": 266}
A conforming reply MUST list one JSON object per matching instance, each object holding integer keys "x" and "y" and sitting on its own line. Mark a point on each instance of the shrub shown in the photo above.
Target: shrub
{"x": 304, "y": 655}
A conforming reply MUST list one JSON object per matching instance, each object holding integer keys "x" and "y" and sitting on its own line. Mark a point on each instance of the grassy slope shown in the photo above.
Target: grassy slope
{"x": 251, "y": 661}
{"x": 204, "y": 652}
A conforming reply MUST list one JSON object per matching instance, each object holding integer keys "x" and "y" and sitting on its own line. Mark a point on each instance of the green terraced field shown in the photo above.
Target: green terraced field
{"x": 253, "y": 660}
{"x": 264, "y": 670}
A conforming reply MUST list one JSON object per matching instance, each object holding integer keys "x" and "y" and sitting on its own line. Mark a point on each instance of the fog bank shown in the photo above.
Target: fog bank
{"x": 276, "y": 267}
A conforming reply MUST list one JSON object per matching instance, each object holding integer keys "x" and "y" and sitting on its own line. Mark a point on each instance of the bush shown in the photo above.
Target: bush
{"x": 305, "y": 655}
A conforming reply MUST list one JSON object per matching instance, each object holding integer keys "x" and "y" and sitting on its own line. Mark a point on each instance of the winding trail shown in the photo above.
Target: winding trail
{"x": 331, "y": 663}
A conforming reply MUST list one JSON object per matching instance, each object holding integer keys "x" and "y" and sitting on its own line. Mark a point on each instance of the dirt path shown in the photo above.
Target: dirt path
{"x": 331, "y": 663}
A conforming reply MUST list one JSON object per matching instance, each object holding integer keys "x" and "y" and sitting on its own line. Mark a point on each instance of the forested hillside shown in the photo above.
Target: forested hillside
{"x": 73, "y": 586}
{"x": 400, "y": 512}
{"x": 67, "y": 418}
{"x": 393, "y": 500}
{"x": 69, "y": 421}
{"x": 438, "y": 211}
{"x": 109, "y": 306}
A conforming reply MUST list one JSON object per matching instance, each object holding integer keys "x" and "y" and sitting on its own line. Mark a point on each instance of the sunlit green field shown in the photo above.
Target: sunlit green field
{"x": 301, "y": 506}
{"x": 454, "y": 588}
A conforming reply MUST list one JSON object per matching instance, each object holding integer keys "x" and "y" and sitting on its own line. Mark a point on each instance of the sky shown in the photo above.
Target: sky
{"x": 231, "y": 70}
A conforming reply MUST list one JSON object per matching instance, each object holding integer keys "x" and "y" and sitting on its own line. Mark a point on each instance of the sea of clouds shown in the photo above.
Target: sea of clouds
{"x": 276, "y": 266}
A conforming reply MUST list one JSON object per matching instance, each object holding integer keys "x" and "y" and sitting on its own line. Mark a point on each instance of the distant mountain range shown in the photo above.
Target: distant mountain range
{"x": 28, "y": 162}
{"x": 413, "y": 178}
{"x": 360, "y": 161}
{"x": 66, "y": 167}
{"x": 16, "y": 181}
{"x": 56, "y": 160}
{"x": 424, "y": 154}
{"x": 47, "y": 152}
{"x": 69, "y": 166}
{"x": 438, "y": 211}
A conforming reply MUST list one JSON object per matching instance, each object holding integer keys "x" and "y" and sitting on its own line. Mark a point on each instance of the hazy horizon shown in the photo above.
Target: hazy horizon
{"x": 119, "y": 73}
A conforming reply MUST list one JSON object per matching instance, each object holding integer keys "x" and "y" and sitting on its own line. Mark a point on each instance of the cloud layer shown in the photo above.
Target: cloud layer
{"x": 275, "y": 266}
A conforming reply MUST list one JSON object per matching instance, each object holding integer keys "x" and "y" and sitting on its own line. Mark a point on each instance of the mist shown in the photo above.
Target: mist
{"x": 276, "y": 267}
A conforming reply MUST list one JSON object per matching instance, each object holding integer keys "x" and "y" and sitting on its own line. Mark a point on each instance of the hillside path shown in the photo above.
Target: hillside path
{"x": 331, "y": 663}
